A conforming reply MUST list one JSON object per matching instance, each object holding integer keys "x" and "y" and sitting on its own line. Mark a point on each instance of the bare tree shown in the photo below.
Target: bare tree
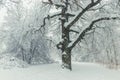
{"x": 68, "y": 20}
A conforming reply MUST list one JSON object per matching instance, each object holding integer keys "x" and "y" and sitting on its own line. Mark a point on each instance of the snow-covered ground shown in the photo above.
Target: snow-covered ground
{"x": 8, "y": 61}
{"x": 81, "y": 71}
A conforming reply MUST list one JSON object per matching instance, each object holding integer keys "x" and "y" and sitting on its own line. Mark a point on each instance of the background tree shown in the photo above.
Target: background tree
{"x": 22, "y": 41}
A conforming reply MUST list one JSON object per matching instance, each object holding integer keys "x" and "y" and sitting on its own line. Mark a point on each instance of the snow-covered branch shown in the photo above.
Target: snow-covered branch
{"x": 90, "y": 27}
{"x": 92, "y": 4}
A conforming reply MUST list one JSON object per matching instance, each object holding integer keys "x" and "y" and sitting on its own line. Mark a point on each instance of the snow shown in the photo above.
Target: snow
{"x": 81, "y": 71}
{"x": 8, "y": 61}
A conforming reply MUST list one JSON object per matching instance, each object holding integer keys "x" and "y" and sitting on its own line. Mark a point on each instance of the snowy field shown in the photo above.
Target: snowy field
{"x": 81, "y": 71}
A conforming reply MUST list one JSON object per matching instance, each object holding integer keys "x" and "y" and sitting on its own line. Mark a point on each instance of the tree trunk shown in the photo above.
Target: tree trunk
{"x": 66, "y": 59}
{"x": 66, "y": 56}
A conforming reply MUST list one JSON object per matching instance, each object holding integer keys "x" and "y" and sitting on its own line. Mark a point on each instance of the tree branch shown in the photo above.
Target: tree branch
{"x": 50, "y": 2}
{"x": 74, "y": 31}
{"x": 47, "y": 18}
{"x": 82, "y": 12}
{"x": 81, "y": 35}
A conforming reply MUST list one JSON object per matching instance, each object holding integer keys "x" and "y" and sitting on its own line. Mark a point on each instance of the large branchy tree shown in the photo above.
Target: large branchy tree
{"x": 82, "y": 28}
{"x": 87, "y": 14}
